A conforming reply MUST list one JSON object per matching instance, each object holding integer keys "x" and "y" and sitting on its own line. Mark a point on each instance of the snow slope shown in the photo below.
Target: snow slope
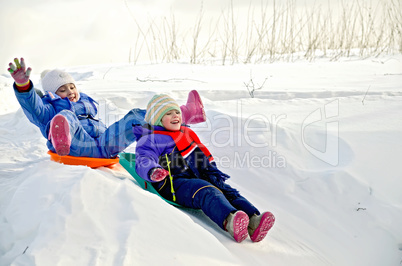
{"x": 319, "y": 146}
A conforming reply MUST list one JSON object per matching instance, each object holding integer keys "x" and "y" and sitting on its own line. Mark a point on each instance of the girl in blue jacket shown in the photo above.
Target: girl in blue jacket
{"x": 66, "y": 117}
{"x": 182, "y": 170}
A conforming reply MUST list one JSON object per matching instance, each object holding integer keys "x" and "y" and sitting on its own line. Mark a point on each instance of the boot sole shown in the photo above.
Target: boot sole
{"x": 60, "y": 135}
{"x": 240, "y": 225}
{"x": 267, "y": 221}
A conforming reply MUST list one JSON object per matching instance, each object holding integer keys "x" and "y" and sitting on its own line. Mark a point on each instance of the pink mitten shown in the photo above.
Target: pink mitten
{"x": 159, "y": 174}
{"x": 19, "y": 72}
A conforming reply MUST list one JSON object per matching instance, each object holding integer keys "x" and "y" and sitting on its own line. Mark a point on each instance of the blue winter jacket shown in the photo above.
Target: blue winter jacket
{"x": 40, "y": 111}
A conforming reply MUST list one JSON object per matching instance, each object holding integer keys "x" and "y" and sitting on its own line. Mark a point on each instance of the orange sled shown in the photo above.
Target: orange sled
{"x": 86, "y": 161}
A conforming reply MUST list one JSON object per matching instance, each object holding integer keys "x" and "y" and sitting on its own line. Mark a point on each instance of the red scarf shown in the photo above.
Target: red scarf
{"x": 186, "y": 141}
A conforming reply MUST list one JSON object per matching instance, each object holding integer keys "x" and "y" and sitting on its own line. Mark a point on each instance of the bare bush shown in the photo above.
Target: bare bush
{"x": 251, "y": 86}
{"x": 274, "y": 30}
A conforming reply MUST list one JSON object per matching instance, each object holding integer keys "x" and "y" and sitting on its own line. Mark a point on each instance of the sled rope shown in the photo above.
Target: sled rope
{"x": 171, "y": 179}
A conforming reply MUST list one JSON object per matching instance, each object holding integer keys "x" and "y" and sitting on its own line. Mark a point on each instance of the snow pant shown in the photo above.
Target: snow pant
{"x": 109, "y": 144}
{"x": 200, "y": 194}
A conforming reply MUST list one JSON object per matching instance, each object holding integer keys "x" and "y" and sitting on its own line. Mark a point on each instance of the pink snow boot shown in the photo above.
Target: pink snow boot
{"x": 259, "y": 226}
{"x": 193, "y": 112}
{"x": 236, "y": 224}
{"x": 59, "y": 135}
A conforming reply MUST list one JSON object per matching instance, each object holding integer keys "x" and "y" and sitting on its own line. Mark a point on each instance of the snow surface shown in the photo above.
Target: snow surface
{"x": 319, "y": 146}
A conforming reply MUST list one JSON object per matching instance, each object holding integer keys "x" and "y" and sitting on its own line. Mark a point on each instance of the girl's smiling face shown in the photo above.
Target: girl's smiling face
{"x": 172, "y": 120}
{"x": 70, "y": 91}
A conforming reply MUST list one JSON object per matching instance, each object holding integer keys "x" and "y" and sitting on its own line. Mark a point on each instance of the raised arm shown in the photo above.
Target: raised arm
{"x": 33, "y": 106}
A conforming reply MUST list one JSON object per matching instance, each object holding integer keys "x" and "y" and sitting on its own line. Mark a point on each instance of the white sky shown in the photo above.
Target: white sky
{"x": 61, "y": 33}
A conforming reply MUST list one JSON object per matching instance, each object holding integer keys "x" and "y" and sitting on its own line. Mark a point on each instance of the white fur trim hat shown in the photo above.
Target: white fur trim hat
{"x": 54, "y": 79}
{"x": 157, "y": 107}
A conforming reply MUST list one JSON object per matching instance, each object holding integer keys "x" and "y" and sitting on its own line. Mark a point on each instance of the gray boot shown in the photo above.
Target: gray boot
{"x": 236, "y": 224}
{"x": 259, "y": 226}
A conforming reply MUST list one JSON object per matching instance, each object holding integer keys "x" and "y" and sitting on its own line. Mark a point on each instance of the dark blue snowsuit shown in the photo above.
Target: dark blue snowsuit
{"x": 197, "y": 182}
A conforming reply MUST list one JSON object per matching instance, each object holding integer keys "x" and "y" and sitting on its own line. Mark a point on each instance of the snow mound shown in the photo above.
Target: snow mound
{"x": 319, "y": 146}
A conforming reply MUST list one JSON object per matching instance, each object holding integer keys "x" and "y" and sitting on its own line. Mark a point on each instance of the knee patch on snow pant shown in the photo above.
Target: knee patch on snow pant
{"x": 204, "y": 187}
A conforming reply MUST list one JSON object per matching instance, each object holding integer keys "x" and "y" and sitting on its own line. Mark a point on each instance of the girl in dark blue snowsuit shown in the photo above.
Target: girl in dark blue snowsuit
{"x": 182, "y": 170}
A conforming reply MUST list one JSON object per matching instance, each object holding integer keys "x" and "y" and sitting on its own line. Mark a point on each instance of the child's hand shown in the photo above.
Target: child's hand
{"x": 159, "y": 174}
{"x": 19, "y": 73}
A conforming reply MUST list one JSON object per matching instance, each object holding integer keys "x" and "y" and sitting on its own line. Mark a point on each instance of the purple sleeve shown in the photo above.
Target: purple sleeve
{"x": 146, "y": 157}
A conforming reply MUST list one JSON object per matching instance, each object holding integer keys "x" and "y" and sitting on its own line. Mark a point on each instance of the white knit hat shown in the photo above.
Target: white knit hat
{"x": 54, "y": 79}
{"x": 157, "y": 107}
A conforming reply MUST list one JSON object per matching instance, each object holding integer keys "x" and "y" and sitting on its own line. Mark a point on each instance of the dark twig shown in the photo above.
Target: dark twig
{"x": 251, "y": 87}
{"x": 365, "y": 95}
